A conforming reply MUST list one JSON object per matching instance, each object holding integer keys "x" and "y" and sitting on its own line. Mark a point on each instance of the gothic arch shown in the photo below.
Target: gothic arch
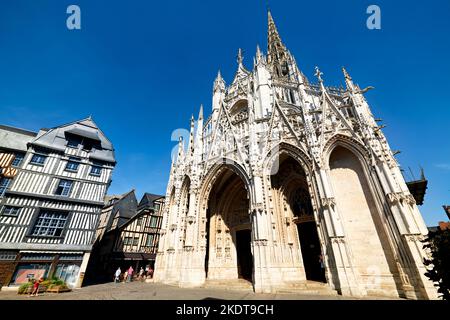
{"x": 361, "y": 216}
{"x": 225, "y": 197}
{"x": 293, "y": 199}
{"x": 214, "y": 172}
{"x": 358, "y": 149}
{"x": 238, "y": 105}
{"x": 285, "y": 148}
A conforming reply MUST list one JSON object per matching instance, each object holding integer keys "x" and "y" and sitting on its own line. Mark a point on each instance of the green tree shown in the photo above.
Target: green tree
{"x": 438, "y": 242}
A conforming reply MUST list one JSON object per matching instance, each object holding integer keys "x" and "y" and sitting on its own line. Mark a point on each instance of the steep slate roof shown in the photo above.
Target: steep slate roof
{"x": 14, "y": 138}
{"x": 124, "y": 209}
{"x": 55, "y": 138}
{"x": 149, "y": 198}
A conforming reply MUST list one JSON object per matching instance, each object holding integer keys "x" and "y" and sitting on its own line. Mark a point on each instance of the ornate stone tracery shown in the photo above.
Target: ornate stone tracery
{"x": 286, "y": 176}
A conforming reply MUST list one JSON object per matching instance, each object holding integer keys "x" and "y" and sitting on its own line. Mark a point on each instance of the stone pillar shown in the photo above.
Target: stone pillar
{"x": 262, "y": 281}
{"x": 411, "y": 229}
{"x": 192, "y": 271}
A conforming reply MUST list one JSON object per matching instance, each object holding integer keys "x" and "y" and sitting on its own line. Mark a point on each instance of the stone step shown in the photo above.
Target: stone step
{"x": 299, "y": 287}
{"x": 231, "y": 284}
{"x": 306, "y": 287}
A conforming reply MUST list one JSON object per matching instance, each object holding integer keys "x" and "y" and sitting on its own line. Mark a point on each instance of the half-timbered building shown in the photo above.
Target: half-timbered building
{"x": 127, "y": 235}
{"x": 50, "y": 205}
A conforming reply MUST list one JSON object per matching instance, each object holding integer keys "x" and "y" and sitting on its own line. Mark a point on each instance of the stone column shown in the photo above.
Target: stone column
{"x": 411, "y": 229}
{"x": 192, "y": 271}
{"x": 262, "y": 281}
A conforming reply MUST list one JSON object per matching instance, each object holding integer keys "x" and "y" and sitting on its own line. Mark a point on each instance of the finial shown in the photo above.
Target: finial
{"x": 192, "y": 118}
{"x": 318, "y": 74}
{"x": 346, "y": 75}
{"x": 200, "y": 114}
{"x": 239, "y": 57}
{"x": 258, "y": 53}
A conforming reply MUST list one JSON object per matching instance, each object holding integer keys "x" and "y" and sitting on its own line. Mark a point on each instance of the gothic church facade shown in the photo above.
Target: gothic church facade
{"x": 290, "y": 182}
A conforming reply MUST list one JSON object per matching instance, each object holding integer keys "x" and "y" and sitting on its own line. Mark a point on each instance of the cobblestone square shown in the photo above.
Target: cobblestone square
{"x": 156, "y": 291}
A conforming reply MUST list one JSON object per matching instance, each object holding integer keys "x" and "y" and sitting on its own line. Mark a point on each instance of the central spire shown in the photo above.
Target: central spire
{"x": 275, "y": 47}
{"x": 277, "y": 54}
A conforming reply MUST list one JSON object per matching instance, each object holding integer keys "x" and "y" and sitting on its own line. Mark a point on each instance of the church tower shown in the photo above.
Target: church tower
{"x": 290, "y": 184}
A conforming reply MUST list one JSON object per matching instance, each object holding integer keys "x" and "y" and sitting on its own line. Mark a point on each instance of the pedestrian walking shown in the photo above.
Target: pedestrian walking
{"x": 125, "y": 276}
{"x": 130, "y": 274}
{"x": 141, "y": 274}
{"x": 117, "y": 275}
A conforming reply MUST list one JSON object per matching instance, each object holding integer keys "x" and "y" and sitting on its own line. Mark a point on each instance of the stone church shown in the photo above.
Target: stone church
{"x": 290, "y": 183}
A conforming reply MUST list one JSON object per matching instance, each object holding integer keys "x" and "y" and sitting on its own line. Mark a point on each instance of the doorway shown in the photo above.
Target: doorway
{"x": 311, "y": 252}
{"x": 244, "y": 254}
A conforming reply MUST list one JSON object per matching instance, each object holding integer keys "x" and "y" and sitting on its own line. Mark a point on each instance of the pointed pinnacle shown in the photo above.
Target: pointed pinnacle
{"x": 258, "y": 53}
{"x": 346, "y": 75}
{"x": 240, "y": 58}
{"x": 200, "y": 113}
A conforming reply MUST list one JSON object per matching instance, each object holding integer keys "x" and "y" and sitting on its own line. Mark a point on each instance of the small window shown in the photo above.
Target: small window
{"x": 49, "y": 224}
{"x": 154, "y": 222}
{"x": 4, "y": 183}
{"x": 156, "y": 206}
{"x": 64, "y": 188}
{"x": 139, "y": 221}
{"x": 96, "y": 171}
{"x": 149, "y": 242}
{"x": 8, "y": 255}
{"x": 10, "y": 211}
{"x": 87, "y": 145}
{"x": 38, "y": 159}
{"x": 127, "y": 241}
{"x": 73, "y": 164}
{"x": 17, "y": 159}
{"x": 73, "y": 142}
{"x": 135, "y": 241}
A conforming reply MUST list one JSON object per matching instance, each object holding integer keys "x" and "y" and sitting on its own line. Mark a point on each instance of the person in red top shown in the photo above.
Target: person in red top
{"x": 130, "y": 274}
{"x": 36, "y": 287}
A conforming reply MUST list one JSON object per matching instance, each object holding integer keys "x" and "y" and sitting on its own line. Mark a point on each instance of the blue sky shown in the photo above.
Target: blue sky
{"x": 141, "y": 69}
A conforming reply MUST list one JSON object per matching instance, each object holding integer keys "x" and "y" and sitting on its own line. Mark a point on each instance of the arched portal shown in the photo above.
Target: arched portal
{"x": 366, "y": 237}
{"x": 228, "y": 225}
{"x": 290, "y": 187}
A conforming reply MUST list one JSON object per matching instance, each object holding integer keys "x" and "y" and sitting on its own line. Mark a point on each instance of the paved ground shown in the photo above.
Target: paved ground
{"x": 157, "y": 291}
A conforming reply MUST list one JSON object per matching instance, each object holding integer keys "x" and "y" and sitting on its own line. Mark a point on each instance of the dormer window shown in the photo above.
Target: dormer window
{"x": 87, "y": 145}
{"x": 73, "y": 142}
